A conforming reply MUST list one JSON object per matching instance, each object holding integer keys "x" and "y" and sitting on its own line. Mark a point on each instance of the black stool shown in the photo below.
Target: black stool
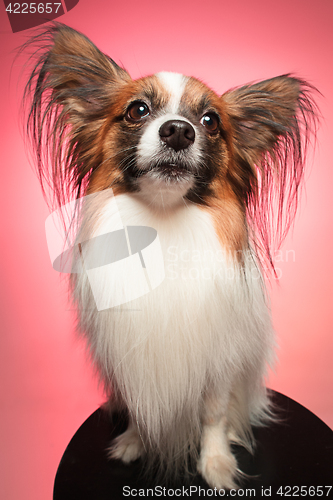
{"x": 293, "y": 458}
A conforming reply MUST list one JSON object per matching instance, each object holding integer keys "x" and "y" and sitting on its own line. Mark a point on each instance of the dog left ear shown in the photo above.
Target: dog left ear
{"x": 271, "y": 123}
{"x": 262, "y": 113}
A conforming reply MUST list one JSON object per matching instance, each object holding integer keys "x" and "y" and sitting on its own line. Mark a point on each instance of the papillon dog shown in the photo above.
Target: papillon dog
{"x": 217, "y": 178}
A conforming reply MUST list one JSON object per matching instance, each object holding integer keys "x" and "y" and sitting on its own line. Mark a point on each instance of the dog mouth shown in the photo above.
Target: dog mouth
{"x": 172, "y": 171}
{"x": 168, "y": 171}
{"x": 165, "y": 184}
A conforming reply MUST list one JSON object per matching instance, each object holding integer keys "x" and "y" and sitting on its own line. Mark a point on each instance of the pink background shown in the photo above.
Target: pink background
{"x": 47, "y": 386}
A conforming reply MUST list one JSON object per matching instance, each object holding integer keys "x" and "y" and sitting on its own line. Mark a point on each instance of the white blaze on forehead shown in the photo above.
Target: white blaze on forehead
{"x": 175, "y": 84}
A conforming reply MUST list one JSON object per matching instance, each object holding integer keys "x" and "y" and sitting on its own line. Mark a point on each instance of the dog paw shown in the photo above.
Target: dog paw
{"x": 218, "y": 471}
{"x": 127, "y": 447}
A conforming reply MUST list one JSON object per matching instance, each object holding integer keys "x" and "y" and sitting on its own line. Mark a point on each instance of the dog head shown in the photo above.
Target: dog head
{"x": 167, "y": 138}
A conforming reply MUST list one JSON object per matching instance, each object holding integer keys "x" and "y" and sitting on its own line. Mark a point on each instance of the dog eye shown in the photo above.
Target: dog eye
{"x": 211, "y": 122}
{"x": 137, "y": 111}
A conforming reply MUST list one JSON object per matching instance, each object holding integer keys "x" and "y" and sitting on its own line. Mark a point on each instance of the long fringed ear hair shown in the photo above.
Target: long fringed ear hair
{"x": 272, "y": 123}
{"x": 70, "y": 91}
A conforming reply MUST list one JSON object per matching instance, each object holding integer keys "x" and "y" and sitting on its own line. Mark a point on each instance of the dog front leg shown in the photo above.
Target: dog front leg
{"x": 216, "y": 464}
{"x": 128, "y": 446}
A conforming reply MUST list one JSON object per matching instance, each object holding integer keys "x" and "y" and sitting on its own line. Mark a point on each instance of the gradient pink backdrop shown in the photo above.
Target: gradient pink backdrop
{"x": 47, "y": 387}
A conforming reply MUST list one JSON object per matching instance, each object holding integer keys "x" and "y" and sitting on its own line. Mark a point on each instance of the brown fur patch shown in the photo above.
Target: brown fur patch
{"x": 198, "y": 97}
{"x": 229, "y": 222}
{"x": 147, "y": 89}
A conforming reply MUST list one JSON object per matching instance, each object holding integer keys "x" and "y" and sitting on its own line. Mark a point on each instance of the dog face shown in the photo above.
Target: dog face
{"x": 170, "y": 139}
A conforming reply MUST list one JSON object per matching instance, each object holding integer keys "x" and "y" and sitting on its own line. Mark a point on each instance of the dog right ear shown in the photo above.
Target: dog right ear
{"x": 70, "y": 91}
{"x": 73, "y": 69}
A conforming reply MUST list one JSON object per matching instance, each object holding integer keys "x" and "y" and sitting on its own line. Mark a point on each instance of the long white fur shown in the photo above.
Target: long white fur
{"x": 206, "y": 325}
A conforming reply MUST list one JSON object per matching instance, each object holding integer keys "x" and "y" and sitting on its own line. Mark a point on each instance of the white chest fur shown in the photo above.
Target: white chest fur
{"x": 207, "y": 322}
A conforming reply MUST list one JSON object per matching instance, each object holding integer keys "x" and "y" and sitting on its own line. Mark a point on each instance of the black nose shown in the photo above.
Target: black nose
{"x": 177, "y": 134}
